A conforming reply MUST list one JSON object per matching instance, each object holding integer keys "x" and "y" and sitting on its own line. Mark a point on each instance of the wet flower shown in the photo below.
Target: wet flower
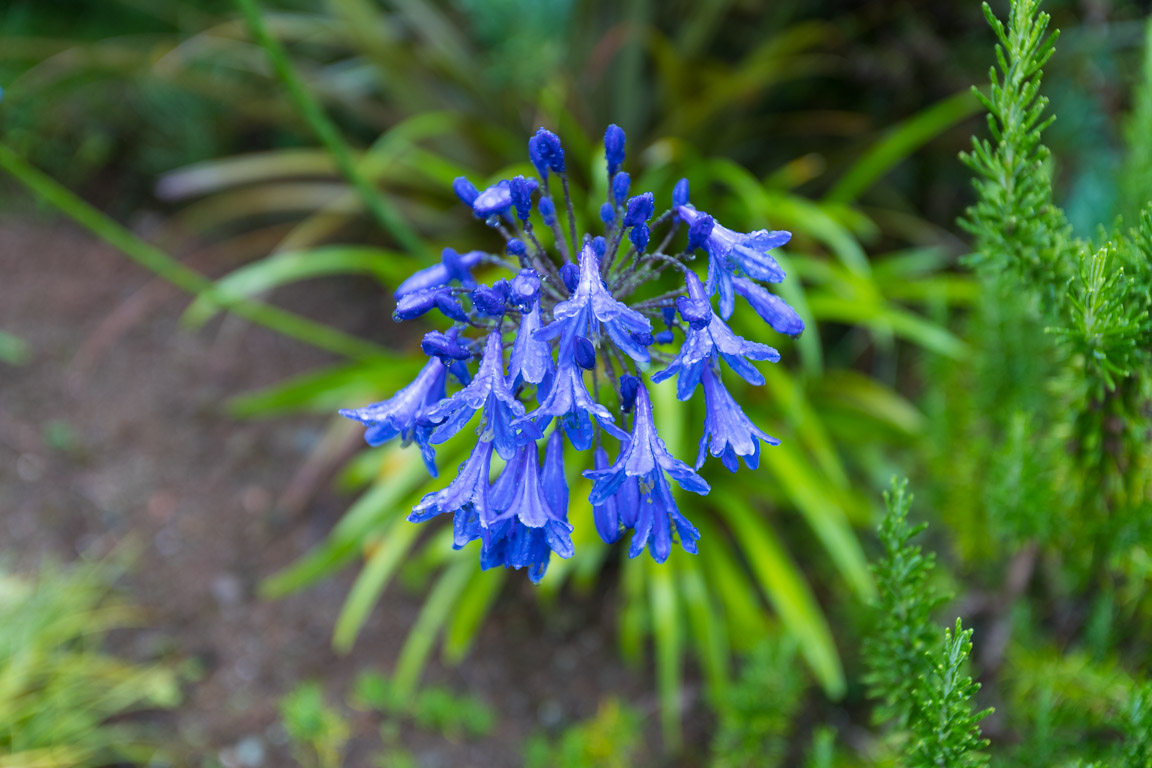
{"x": 561, "y": 328}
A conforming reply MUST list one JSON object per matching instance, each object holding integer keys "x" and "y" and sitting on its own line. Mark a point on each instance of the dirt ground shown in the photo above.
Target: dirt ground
{"x": 115, "y": 428}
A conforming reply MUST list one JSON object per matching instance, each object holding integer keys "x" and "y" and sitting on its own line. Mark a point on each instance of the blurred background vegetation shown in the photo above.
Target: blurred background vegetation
{"x": 318, "y": 138}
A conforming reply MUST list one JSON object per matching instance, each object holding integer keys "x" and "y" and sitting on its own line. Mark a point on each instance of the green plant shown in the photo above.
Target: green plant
{"x": 899, "y": 645}
{"x": 945, "y": 731}
{"x": 759, "y": 710}
{"x": 611, "y": 739}
{"x": 318, "y": 732}
{"x": 432, "y": 707}
{"x": 64, "y": 701}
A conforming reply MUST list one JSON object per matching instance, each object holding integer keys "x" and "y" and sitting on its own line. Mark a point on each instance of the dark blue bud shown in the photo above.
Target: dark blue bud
{"x": 599, "y": 246}
{"x": 525, "y": 289}
{"x": 696, "y": 312}
{"x": 620, "y": 184}
{"x": 547, "y": 210}
{"x": 546, "y": 153}
{"x": 522, "y": 189}
{"x": 464, "y": 190}
{"x": 614, "y": 148}
{"x": 493, "y": 201}
{"x": 680, "y": 193}
{"x": 490, "y": 301}
{"x": 516, "y": 247}
{"x": 451, "y": 308}
{"x": 444, "y": 346}
{"x": 640, "y": 209}
{"x": 629, "y": 387}
{"x": 642, "y": 337}
{"x": 639, "y": 235}
{"x": 669, "y": 315}
{"x": 699, "y": 231}
{"x": 664, "y": 337}
{"x": 412, "y": 305}
{"x": 570, "y": 274}
{"x": 607, "y": 213}
{"x": 584, "y": 353}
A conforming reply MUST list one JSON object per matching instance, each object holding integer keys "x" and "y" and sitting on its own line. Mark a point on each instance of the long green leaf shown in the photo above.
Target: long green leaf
{"x": 477, "y": 600}
{"x": 403, "y": 474}
{"x": 173, "y": 271}
{"x": 282, "y": 268}
{"x": 900, "y": 142}
{"x": 666, "y": 634}
{"x": 394, "y": 544}
{"x": 439, "y": 604}
{"x": 308, "y": 106}
{"x": 786, "y": 590}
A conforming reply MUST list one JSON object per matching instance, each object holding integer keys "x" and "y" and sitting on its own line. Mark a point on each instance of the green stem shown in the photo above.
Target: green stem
{"x": 151, "y": 257}
{"x": 309, "y": 108}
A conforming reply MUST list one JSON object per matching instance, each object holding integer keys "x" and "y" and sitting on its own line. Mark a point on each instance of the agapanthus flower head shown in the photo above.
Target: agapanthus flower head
{"x": 558, "y": 346}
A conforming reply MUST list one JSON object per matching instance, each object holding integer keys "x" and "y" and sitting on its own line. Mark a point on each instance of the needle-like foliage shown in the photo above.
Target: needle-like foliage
{"x": 903, "y": 633}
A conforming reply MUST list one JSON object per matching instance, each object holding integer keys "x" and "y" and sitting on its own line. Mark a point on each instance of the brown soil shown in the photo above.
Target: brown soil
{"x": 114, "y": 429}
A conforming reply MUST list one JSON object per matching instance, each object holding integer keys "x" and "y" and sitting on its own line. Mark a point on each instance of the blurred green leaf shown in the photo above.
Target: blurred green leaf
{"x": 786, "y": 590}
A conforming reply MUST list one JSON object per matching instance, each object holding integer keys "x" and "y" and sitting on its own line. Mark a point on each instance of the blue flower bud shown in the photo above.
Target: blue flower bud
{"x": 614, "y": 148}
{"x": 699, "y": 231}
{"x": 669, "y": 315}
{"x": 570, "y": 274}
{"x": 412, "y": 305}
{"x": 547, "y": 210}
{"x": 696, "y": 312}
{"x": 664, "y": 337}
{"x": 493, "y": 201}
{"x": 620, "y": 184}
{"x": 644, "y": 338}
{"x": 629, "y": 386}
{"x": 640, "y": 209}
{"x": 521, "y": 190}
{"x": 490, "y": 301}
{"x": 525, "y": 289}
{"x": 599, "y": 246}
{"x": 464, "y": 190}
{"x": 451, "y": 308}
{"x": 546, "y": 153}
{"x": 516, "y": 247}
{"x": 607, "y": 213}
{"x": 639, "y": 235}
{"x": 584, "y": 353}
{"x": 680, "y": 193}
{"x": 443, "y": 346}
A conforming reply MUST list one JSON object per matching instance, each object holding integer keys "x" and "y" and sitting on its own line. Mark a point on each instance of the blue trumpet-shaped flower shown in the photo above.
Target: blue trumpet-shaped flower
{"x": 528, "y": 510}
{"x": 728, "y": 432}
{"x": 402, "y": 414}
{"x": 656, "y": 516}
{"x": 490, "y": 391}
{"x": 531, "y": 358}
{"x": 644, "y": 456}
{"x": 619, "y": 510}
{"x": 771, "y": 308}
{"x": 729, "y": 251}
{"x": 452, "y": 266}
{"x": 466, "y": 497}
{"x": 568, "y": 400}
{"x": 590, "y": 307}
{"x": 708, "y": 336}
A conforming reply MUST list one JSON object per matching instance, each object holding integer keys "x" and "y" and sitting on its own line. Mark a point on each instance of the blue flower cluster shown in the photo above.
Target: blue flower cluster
{"x": 560, "y": 323}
